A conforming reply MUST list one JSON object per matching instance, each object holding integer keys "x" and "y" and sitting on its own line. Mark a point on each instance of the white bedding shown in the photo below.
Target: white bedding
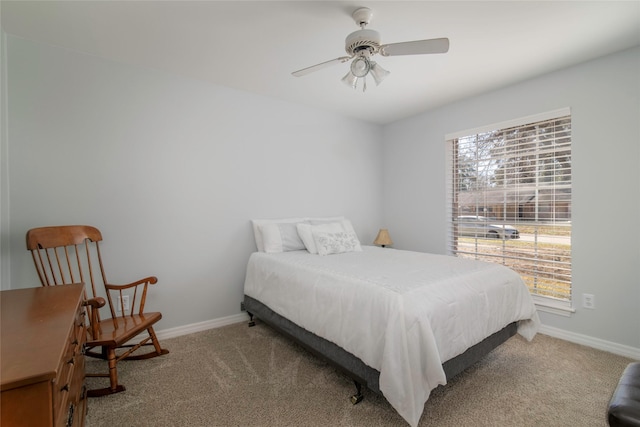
{"x": 403, "y": 313}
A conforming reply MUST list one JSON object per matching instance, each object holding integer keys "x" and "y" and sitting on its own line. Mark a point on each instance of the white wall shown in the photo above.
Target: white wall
{"x": 172, "y": 171}
{"x": 604, "y": 97}
{"x": 4, "y": 165}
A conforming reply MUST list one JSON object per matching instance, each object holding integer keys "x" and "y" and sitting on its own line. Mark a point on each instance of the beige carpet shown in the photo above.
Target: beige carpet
{"x": 241, "y": 376}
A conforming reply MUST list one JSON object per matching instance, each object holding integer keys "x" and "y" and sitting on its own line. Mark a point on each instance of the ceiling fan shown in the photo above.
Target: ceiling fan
{"x": 362, "y": 44}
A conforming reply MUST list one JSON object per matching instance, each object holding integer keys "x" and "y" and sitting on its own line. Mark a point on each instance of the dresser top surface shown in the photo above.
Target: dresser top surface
{"x": 35, "y": 324}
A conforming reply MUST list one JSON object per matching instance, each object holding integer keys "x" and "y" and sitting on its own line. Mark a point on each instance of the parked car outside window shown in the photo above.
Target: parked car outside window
{"x": 484, "y": 227}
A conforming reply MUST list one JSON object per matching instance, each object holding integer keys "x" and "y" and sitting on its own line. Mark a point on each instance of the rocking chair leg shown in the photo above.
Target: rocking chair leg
{"x": 114, "y": 387}
{"x": 155, "y": 342}
{"x": 159, "y": 351}
{"x": 357, "y": 398}
{"x": 113, "y": 370}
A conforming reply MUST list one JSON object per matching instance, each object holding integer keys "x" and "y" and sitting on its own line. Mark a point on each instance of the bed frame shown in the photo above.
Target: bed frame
{"x": 352, "y": 366}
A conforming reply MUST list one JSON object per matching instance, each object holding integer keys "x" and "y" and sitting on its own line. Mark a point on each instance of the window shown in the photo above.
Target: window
{"x": 509, "y": 191}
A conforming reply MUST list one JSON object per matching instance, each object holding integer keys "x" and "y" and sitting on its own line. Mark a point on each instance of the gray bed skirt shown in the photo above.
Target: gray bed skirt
{"x": 351, "y": 365}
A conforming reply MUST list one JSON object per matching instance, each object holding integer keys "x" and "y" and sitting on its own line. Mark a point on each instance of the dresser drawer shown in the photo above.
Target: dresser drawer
{"x": 68, "y": 386}
{"x": 71, "y": 396}
{"x": 76, "y": 405}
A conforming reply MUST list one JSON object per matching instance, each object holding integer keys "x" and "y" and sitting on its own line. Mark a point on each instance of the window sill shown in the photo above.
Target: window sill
{"x": 554, "y": 307}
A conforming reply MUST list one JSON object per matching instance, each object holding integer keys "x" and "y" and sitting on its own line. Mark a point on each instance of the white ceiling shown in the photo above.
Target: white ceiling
{"x": 254, "y": 46}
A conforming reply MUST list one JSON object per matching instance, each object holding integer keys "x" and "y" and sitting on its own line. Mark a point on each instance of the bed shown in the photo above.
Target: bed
{"x": 399, "y": 322}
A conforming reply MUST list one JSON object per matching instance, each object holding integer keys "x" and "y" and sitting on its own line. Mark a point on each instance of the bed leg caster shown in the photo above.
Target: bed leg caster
{"x": 251, "y": 321}
{"x": 357, "y": 398}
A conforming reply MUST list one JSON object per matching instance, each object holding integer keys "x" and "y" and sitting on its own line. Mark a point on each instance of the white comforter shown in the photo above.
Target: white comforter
{"x": 402, "y": 313}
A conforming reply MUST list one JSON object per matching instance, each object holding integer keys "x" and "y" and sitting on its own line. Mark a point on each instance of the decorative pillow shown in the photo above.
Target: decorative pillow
{"x": 308, "y": 231}
{"x": 336, "y": 243}
{"x": 305, "y": 231}
{"x": 280, "y": 237}
{"x": 348, "y": 227}
{"x": 257, "y": 233}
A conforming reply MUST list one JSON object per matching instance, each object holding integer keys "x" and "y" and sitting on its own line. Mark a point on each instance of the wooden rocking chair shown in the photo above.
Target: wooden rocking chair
{"x": 71, "y": 254}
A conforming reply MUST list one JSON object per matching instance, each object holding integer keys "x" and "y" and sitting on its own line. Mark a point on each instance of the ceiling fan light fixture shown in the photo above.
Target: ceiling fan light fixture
{"x": 378, "y": 73}
{"x": 360, "y": 66}
{"x": 350, "y": 80}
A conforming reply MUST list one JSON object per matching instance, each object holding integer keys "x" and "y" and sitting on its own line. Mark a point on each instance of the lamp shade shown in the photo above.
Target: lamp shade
{"x": 383, "y": 239}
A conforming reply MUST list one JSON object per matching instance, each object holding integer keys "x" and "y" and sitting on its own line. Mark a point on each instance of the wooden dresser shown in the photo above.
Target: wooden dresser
{"x": 42, "y": 337}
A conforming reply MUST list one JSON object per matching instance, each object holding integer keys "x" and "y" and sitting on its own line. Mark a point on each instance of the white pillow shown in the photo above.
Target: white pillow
{"x": 324, "y": 219}
{"x": 336, "y": 243}
{"x": 348, "y": 227}
{"x": 257, "y": 233}
{"x": 280, "y": 237}
{"x": 305, "y": 231}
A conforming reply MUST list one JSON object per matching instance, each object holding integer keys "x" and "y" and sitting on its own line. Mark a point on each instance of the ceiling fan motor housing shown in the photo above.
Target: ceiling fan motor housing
{"x": 362, "y": 40}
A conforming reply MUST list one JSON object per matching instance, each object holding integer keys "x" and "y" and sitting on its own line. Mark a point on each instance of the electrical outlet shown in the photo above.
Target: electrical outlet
{"x": 588, "y": 301}
{"x": 124, "y": 302}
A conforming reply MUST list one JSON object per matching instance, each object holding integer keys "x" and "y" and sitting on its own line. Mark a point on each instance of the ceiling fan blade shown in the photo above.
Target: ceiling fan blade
{"x": 417, "y": 47}
{"x": 319, "y": 66}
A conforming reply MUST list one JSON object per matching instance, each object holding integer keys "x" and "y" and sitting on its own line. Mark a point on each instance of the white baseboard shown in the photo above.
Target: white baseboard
{"x": 202, "y": 326}
{"x": 597, "y": 343}
{"x": 611, "y": 347}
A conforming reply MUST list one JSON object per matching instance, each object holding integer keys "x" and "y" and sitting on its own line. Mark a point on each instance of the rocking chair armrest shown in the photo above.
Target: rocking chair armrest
{"x": 96, "y": 302}
{"x": 150, "y": 280}
{"x": 94, "y": 319}
{"x": 136, "y": 303}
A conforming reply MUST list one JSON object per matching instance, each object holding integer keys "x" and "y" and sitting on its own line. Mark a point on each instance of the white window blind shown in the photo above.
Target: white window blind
{"x": 509, "y": 200}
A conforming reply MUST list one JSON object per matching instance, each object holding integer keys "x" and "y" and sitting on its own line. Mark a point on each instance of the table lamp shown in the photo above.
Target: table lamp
{"x": 383, "y": 239}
